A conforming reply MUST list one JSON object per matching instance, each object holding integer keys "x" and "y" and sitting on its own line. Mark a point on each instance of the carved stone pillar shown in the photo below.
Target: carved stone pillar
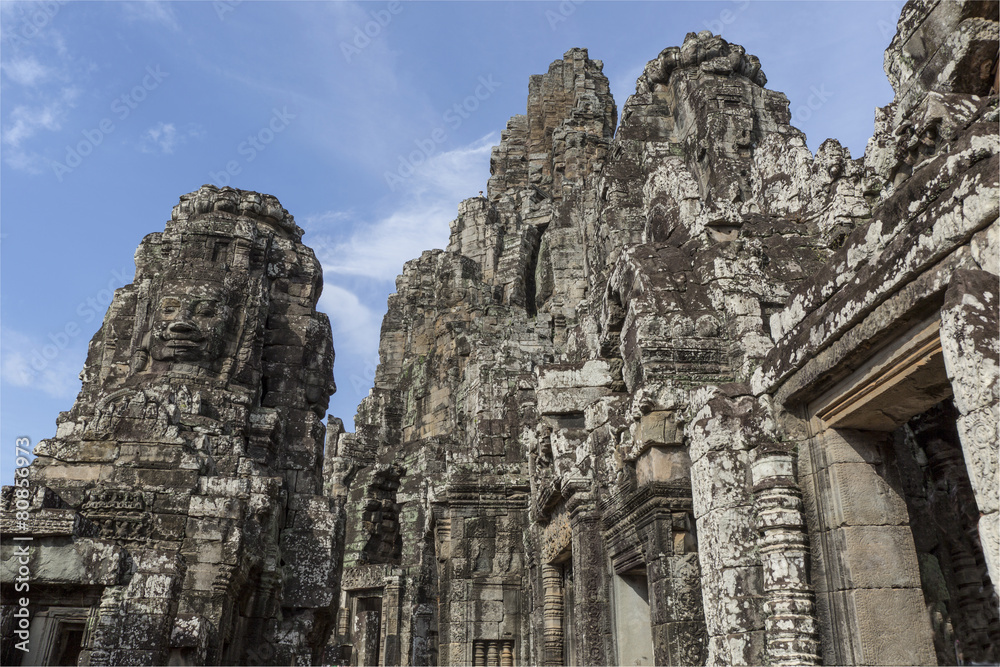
{"x": 968, "y": 340}
{"x": 553, "y": 614}
{"x": 790, "y": 620}
{"x": 507, "y": 654}
{"x": 395, "y": 626}
{"x": 591, "y": 606}
{"x": 492, "y": 654}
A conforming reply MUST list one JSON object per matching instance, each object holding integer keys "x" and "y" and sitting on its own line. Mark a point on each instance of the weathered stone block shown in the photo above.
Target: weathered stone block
{"x": 858, "y": 496}
{"x": 663, "y": 464}
{"x": 85, "y": 561}
{"x": 902, "y": 637}
{"x": 877, "y": 557}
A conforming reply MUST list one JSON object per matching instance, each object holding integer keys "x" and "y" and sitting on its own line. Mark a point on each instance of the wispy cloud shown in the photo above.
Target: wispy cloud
{"x": 165, "y": 137}
{"x": 26, "y": 121}
{"x": 355, "y": 325}
{"x": 327, "y": 218}
{"x": 43, "y": 81}
{"x": 161, "y": 137}
{"x": 25, "y": 71}
{"x": 379, "y": 249}
{"x": 151, "y": 11}
{"x": 28, "y": 363}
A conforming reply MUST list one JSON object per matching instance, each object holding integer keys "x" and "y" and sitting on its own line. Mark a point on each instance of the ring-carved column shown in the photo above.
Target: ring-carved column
{"x": 553, "y": 613}
{"x": 784, "y": 547}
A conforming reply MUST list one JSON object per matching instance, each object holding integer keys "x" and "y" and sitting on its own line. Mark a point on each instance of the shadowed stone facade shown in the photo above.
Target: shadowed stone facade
{"x": 677, "y": 392}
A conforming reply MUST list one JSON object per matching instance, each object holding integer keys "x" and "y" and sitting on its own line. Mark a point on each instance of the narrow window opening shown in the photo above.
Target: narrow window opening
{"x": 69, "y": 644}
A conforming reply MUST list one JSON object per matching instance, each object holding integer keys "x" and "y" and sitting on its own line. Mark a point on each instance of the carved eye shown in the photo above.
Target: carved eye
{"x": 205, "y": 310}
{"x": 169, "y": 306}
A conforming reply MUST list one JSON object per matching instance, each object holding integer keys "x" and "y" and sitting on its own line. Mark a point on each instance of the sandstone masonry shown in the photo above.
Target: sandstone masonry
{"x": 677, "y": 392}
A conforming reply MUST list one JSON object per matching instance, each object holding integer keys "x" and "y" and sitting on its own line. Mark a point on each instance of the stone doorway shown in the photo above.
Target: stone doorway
{"x": 899, "y": 572}
{"x": 960, "y": 598}
{"x": 633, "y": 636}
{"x": 366, "y": 629}
{"x": 58, "y": 636}
{"x": 569, "y": 605}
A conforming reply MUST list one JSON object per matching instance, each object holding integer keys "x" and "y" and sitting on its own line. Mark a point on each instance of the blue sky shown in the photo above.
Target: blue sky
{"x": 109, "y": 111}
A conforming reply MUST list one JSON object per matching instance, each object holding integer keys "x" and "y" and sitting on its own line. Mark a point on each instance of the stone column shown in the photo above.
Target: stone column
{"x": 675, "y": 605}
{"x": 969, "y": 325}
{"x": 392, "y": 622}
{"x": 790, "y": 620}
{"x": 507, "y": 654}
{"x": 553, "y": 614}
{"x": 591, "y": 617}
{"x": 723, "y": 431}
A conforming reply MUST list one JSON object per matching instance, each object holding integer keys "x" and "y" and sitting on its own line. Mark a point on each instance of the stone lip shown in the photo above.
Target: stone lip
{"x": 210, "y": 201}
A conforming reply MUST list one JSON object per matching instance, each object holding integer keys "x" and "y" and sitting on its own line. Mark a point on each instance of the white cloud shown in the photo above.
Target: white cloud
{"x": 355, "y": 325}
{"x": 356, "y": 328}
{"x": 26, "y": 161}
{"x": 165, "y": 137}
{"x": 51, "y": 367}
{"x": 25, "y": 71}
{"x": 379, "y": 249}
{"x": 327, "y": 218}
{"x": 368, "y": 255}
{"x": 26, "y": 121}
{"x": 151, "y": 11}
{"x": 54, "y": 91}
{"x": 162, "y": 136}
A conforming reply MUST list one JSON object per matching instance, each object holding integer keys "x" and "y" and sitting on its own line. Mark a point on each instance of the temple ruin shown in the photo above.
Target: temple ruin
{"x": 678, "y": 392}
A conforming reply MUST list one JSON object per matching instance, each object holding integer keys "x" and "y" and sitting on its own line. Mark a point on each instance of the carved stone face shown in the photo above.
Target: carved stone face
{"x": 189, "y": 324}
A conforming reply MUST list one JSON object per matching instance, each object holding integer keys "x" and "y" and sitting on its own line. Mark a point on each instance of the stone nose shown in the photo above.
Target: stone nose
{"x": 182, "y": 327}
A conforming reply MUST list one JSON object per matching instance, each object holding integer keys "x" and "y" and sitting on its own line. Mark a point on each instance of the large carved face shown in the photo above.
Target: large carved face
{"x": 189, "y": 323}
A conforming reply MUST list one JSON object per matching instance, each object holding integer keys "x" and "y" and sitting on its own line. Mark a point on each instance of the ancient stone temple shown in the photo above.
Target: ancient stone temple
{"x": 178, "y": 514}
{"x": 677, "y": 392}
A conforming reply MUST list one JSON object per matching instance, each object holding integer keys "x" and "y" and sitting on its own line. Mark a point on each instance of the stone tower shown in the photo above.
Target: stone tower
{"x": 177, "y": 515}
{"x": 595, "y": 436}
